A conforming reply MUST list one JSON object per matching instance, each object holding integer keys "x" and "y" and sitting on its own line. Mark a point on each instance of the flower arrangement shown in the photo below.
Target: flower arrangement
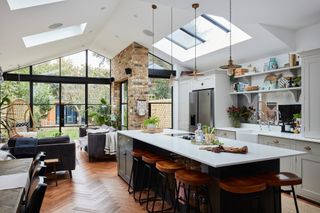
{"x": 235, "y": 115}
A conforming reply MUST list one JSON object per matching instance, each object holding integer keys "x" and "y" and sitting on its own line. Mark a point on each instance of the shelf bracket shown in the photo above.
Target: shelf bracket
{"x": 296, "y": 94}
{"x": 249, "y": 97}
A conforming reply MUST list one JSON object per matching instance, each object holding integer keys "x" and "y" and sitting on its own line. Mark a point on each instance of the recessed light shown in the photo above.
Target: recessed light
{"x": 20, "y": 4}
{"x": 116, "y": 36}
{"x": 135, "y": 15}
{"x": 147, "y": 32}
{"x": 102, "y": 8}
{"x": 55, "y": 26}
{"x": 54, "y": 35}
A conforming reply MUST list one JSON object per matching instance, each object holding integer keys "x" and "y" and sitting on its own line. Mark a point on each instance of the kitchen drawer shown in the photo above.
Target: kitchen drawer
{"x": 277, "y": 142}
{"x": 226, "y": 134}
{"x": 309, "y": 147}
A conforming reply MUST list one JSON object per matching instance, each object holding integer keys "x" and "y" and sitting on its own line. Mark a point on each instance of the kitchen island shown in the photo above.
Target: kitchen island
{"x": 260, "y": 158}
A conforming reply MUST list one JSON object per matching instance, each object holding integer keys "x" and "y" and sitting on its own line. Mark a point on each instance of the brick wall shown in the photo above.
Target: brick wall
{"x": 135, "y": 56}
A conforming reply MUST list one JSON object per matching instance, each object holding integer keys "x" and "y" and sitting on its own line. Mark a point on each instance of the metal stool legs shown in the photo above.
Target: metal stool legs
{"x": 133, "y": 177}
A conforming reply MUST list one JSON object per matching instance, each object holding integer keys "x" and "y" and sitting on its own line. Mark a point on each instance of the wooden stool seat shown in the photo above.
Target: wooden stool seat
{"x": 282, "y": 179}
{"x": 151, "y": 158}
{"x": 193, "y": 178}
{"x": 138, "y": 153}
{"x": 169, "y": 166}
{"x": 243, "y": 185}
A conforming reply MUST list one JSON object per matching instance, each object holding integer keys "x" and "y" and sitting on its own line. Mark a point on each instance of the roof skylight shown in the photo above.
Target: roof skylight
{"x": 20, "y": 4}
{"x": 54, "y": 35}
{"x": 212, "y": 35}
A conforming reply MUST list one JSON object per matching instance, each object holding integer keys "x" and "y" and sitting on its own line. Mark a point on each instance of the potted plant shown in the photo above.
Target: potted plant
{"x": 247, "y": 112}
{"x": 4, "y": 103}
{"x": 152, "y": 122}
{"x": 234, "y": 114}
{"x": 102, "y": 115}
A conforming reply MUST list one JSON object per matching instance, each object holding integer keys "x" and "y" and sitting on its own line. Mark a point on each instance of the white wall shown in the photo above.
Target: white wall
{"x": 308, "y": 38}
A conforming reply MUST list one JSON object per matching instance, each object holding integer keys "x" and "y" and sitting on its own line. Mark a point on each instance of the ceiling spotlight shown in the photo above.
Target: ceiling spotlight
{"x": 135, "y": 16}
{"x": 116, "y": 36}
{"x": 102, "y": 8}
{"x": 147, "y": 32}
{"x": 55, "y": 26}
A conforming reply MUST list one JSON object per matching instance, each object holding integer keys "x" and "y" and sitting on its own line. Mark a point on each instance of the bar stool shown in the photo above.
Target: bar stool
{"x": 166, "y": 169}
{"x": 196, "y": 181}
{"x": 149, "y": 160}
{"x": 137, "y": 162}
{"x": 243, "y": 185}
{"x": 283, "y": 179}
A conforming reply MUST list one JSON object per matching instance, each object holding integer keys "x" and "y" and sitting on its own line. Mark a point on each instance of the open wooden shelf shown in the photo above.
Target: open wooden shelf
{"x": 267, "y": 91}
{"x": 269, "y": 71}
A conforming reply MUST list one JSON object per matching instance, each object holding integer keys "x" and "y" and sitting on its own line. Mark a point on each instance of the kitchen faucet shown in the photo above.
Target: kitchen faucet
{"x": 258, "y": 114}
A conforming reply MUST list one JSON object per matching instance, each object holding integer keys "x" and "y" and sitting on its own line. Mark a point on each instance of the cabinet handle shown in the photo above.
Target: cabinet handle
{"x": 308, "y": 148}
{"x": 275, "y": 141}
{"x": 124, "y": 153}
{"x": 225, "y": 134}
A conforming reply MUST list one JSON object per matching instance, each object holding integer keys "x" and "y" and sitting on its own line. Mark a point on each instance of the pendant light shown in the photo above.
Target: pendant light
{"x": 195, "y": 72}
{"x": 230, "y": 66}
{"x": 172, "y": 77}
{"x": 154, "y": 7}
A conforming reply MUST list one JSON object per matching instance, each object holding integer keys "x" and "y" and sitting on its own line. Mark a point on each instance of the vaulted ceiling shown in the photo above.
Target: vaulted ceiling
{"x": 114, "y": 24}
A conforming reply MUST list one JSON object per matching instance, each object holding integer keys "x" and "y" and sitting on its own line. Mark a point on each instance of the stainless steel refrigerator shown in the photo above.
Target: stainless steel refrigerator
{"x": 201, "y": 108}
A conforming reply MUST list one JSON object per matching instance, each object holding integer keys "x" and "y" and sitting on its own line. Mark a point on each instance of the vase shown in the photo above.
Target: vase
{"x": 236, "y": 123}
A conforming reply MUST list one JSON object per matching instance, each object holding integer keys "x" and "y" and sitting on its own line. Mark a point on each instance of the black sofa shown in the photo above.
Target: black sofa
{"x": 54, "y": 147}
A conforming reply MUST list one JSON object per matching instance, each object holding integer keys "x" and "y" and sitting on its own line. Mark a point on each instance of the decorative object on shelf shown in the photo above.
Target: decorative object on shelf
{"x": 296, "y": 82}
{"x": 241, "y": 86}
{"x": 234, "y": 114}
{"x": 297, "y": 123}
{"x": 251, "y": 88}
{"x": 283, "y": 82}
{"x": 220, "y": 148}
{"x": 195, "y": 71}
{"x": 292, "y": 60}
{"x": 270, "y": 82}
{"x": 141, "y": 107}
{"x": 273, "y": 64}
{"x": 151, "y": 123}
{"x": 230, "y": 66}
{"x": 240, "y": 71}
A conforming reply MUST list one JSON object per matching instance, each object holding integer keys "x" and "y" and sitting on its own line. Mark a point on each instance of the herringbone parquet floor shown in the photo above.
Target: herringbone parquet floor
{"x": 95, "y": 187}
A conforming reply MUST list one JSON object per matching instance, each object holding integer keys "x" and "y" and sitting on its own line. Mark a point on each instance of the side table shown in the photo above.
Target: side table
{"x": 53, "y": 164}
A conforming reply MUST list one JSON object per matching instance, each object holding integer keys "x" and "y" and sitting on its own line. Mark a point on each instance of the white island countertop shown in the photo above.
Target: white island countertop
{"x": 256, "y": 152}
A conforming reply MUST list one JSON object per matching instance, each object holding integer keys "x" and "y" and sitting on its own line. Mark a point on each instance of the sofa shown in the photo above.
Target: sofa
{"x": 55, "y": 147}
{"x": 96, "y": 143}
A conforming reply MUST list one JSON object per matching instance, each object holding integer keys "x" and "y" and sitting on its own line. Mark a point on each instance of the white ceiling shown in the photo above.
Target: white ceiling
{"x": 271, "y": 23}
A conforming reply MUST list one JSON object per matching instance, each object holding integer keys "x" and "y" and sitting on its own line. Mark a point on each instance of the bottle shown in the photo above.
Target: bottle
{"x": 198, "y": 134}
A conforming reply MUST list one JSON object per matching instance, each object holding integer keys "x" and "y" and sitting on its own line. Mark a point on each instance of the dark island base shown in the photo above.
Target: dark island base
{"x": 222, "y": 201}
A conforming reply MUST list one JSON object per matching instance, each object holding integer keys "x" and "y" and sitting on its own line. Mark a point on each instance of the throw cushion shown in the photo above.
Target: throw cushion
{"x": 25, "y": 146}
{"x": 6, "y": 155}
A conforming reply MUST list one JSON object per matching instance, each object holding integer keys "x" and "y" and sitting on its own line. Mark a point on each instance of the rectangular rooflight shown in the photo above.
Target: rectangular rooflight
{"x": 20, "y": 4}
{"x": 54, "y": 35}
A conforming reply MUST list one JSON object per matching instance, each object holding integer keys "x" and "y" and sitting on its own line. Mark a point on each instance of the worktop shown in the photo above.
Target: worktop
{"x": 256, "y": 152}
{"x": 278, "y": 134}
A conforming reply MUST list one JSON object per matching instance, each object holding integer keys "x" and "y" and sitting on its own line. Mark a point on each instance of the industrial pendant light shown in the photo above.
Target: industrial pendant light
{"x": 230, "y": 66}
{"x": 154, "y": 7}
{"x": 195, "y": 72}
{"x": 172, "y": 77}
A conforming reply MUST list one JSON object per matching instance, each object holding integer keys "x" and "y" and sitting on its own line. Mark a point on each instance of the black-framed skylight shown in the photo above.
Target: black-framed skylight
{"x": 212, "y": 35}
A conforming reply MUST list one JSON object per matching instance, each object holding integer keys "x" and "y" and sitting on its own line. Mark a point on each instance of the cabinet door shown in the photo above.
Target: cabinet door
{"x": 308, "y": 168}
{"x": 184, "y": 89}
{"x": 311, "y": 108}
{"x": 121, "y": 155}
{"x": 286, "y": 164}
{"x": 129, "y": 160}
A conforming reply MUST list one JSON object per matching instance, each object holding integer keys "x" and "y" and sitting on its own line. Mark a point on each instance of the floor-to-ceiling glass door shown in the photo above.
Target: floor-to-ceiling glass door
{"x": 124, "y": 105}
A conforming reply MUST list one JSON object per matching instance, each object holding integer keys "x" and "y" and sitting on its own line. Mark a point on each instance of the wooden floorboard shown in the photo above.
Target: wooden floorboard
{"x": 95, "y": 187}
